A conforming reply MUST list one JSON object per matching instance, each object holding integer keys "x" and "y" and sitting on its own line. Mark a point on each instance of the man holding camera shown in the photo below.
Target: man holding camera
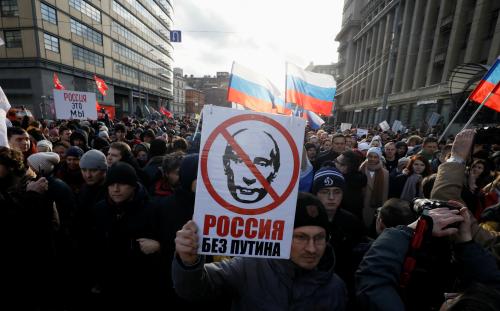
{"x": 406, "y": 267}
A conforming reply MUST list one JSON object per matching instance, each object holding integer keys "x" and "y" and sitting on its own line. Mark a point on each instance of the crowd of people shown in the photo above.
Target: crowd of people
{"x": 97, "y": 215}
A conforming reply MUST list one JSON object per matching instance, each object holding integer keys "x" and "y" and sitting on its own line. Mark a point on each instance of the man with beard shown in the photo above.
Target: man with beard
{"x": 242, "y": 184}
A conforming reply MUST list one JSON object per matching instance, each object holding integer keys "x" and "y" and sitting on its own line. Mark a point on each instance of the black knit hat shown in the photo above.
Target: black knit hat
{"x": 310, "y": 212}
{"x": 121, "y": 173}
{"x": 327, "y": 177}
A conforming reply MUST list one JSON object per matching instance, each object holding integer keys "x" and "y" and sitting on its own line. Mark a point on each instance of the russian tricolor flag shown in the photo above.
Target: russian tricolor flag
{"x": 312, "y": 91}
{"x": 489, "y": 83}
{"x": 253, "y": 91}
{"x": 313, "y": 120}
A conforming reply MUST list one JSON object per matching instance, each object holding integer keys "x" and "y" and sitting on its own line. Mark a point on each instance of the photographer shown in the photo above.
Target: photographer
{"x": 391, "y": 277}
{"x": 449, "y": 183}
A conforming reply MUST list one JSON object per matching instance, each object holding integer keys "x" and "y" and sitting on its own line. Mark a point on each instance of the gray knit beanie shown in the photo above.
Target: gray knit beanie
{"x": 44, "y": 144}
{"x": 43, "y": 162}
{"x": 93, "y": 160}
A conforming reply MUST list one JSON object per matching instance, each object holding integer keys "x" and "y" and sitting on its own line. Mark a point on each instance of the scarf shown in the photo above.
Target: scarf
{"x": 377, "y": 194}
{"x": 412, "y": 188}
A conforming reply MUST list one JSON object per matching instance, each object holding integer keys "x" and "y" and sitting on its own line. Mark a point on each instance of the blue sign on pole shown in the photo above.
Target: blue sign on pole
{"x": 175, "y": 36}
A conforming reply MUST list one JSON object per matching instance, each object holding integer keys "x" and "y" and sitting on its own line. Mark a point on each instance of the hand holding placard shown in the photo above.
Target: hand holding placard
{"x": 186, "y": 243}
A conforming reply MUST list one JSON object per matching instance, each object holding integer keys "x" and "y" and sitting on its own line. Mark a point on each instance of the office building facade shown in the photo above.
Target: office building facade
{"x": 124, "y": 42}
{"x": 398, "y": 58}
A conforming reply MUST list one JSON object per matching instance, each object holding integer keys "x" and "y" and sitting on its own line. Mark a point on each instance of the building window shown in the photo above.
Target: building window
{"x": 51, "y": 42}
{"x": 126, "y": 71}
{"x": 13, "y": 39}
{"x": 86, "y": 32}
{"x": 48, "y": 13}
{"x": 87, "y": 56}
{"x": 86, "y": 9}
{"x": 9, "y": 8}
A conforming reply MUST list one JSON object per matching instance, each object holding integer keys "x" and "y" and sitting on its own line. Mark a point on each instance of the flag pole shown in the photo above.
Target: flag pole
{"x": 481, "y": 106}
{"x": 453, "y": 119}
{"x": 198, "y": 124}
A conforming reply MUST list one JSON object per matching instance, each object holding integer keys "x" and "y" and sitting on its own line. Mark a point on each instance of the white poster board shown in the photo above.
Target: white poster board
{"x": 433, "y": 119}
{"x": 345, "y": 126}
{"x": 75, "y": 105}
{"x": 397, "y": 126}
{"x": 4, "y": 109}
{"x": 384, "y": 126}
{"x": 361, "y": 132}
{"x": 247, "y": 183}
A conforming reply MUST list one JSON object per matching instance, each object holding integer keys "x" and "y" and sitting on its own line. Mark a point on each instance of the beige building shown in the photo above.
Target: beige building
{"x": 124, "y": 42}
{"x": 398, "y": 58}
{"x": 178, "y": 106}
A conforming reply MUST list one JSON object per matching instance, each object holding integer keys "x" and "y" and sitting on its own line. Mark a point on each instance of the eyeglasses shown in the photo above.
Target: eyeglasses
{"x": 304, "y": 239}
{"x": 329, "y": 192}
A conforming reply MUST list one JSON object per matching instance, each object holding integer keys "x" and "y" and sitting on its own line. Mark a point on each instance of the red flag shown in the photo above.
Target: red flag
{"x": 101, "y": 85}
{"x": 57, "y": 83}
{"x": 165, "y": 112}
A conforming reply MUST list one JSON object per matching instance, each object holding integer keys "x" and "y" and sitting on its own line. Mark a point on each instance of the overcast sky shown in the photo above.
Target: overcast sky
{"x": 260, "y": 34}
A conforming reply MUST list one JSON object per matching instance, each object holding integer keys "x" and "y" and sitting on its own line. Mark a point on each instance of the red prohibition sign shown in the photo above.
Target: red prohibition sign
{"x": 221, "y": 129}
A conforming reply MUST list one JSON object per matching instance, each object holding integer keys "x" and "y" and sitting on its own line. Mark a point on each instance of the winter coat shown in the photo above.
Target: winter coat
{"x": 448, "y": 186}
{"x": 347, "y": 232}
{"x": 127, "y": 275}
{"x": 378, "y": 276}
{"x": 26, "y": 230}
{"x": 353, "y": 198}
{"x": 263, "y": 284}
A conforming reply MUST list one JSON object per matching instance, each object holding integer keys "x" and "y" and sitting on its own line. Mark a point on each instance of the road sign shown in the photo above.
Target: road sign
{"x": 247, "y": 182}
{"x": 175, "y": 36}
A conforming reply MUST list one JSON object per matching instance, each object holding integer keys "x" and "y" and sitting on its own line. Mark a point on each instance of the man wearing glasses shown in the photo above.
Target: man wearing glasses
{"x": 304, "y": 282}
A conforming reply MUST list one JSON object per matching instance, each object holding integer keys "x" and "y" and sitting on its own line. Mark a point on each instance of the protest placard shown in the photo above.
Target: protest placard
{"x": 361, "y": 132}
{"x": 397, "y": 126}
{"x": 345, "y": 126}
{"x": 433, "y": 119}
{"x": 4, "y": 109}
{"x": 75, "y": 105}
{"x": 247, "y": 182}
{"x": 384, "y": 126}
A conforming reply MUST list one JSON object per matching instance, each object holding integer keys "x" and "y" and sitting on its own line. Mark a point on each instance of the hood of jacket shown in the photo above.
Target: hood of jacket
{"x": 79, "y": 134}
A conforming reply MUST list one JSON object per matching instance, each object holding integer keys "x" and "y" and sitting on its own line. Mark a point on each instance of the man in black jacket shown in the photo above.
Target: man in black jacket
{"x": 385, "y": 271}
{"x": 338, "y": 146}
{"x": 346, "y": 229}
{"x": 126, "y": 246}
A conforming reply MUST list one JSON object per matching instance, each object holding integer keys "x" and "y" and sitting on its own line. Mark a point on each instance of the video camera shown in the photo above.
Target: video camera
{"x": 487, "y": 136}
